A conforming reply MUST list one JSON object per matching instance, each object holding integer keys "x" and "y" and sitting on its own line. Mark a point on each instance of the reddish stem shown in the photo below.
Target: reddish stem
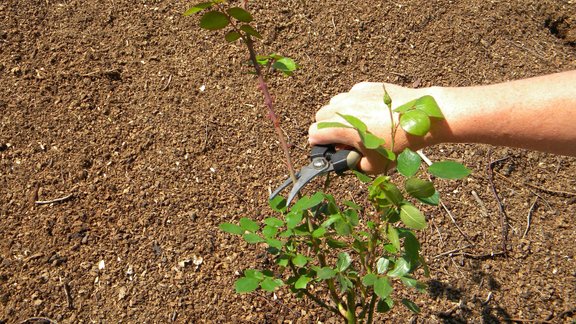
{"x": 269, "y": 104}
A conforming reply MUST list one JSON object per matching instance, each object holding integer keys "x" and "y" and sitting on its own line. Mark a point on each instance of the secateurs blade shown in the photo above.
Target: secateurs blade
{"x": 324, "y": 159}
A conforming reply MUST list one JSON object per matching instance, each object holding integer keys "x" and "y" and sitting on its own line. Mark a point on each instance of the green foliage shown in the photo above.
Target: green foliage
{"x": 361, "y": 252}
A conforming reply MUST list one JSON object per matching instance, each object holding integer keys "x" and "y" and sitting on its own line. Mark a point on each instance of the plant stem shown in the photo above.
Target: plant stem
{"x": 371, "y": 308}
{"x": 269, "y": 104}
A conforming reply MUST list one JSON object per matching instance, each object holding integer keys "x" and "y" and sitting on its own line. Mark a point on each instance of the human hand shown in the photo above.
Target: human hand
{"x": 365, "y": 101}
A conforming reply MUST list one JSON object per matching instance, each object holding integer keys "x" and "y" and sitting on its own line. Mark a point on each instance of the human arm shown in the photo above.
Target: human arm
{"x": 537, "y": 113}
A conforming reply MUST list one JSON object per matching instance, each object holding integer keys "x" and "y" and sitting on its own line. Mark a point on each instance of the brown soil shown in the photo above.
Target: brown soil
{"x": 101, "y": 100}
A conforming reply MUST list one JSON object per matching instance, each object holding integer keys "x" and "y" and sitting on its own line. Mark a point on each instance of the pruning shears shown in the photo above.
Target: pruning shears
{"x": 324, "y": 159}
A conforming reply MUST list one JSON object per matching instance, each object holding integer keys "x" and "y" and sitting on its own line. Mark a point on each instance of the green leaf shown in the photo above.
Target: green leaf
{"x": 343, "y": 228}
{"x": 369, "y": 279}
{"x": 433, "y": 200}
{"x": 214, "y": 20}
{"x": 412, "y": 217}
{"x": 411, "y": 246}
{"x": 250, "y": 31}
{"x": 248, "y": 224}
{"x": 278, "y": 204}
{"x": 384, "y": 305}
{"x": 335, "y": 244}
{"x": 308, "y": 202}
{"x": 413, "y": 283}
{"x": 392, "y": 193}
{"x": 415, "y": 122}
{"x": 274, "y": 243}
{"x": 197, "y": 8}
{"x": 382, "y": 287}
{"x": 345, "y": 282}
{"x": 319, "y": 232}
{"x": 401, "y": 268}
{"x": 411, "y": 305}
{"x": 302, "y": 282}
{"x": 408, "y": 163}
{"x": 253, "y": 273}
{"x": 293, "y": 219}
{"x": 386, "y": 153}
{"x": 274, "y": 222}
{"x": 371, "y": 141}
{"x": 393, "y": 237}
{"x": 382, "y": 265}
{"x": 332, "y": 125}
{"x": 270, "y": 284}
{"x": 246, "y": 285}
{"x": 232, "y": 36}
{"x": 231, "y": 228}
{"x": 343, "y": 262}
{"x": 331, "y": 220}
{"x": 269, "y": 231}
{"x": 252, "y": 238}
{"x": 448, "y": 170}
{"x": 362, "y": 177}
{"x": 240, "y": 14}
{"x": 299, "y": 260}
{"x": 428, "y": 105}
{"x": 325, "y": 273}
{"x": 405, "y": 107}
{"x": 419, "y": 188}
{"x": 355, "y": 122}
{"x": 286, "y": 65}
{"x": 283, "y": 260}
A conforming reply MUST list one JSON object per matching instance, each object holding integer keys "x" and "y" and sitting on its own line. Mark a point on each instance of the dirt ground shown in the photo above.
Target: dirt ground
{"x": 154, "y": 134}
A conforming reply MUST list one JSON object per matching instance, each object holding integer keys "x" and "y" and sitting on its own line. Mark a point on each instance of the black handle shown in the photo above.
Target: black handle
{"x": 341, "y": 160}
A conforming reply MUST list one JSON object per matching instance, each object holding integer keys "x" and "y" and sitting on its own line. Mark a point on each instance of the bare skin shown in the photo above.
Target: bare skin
{"x": 537, "y": 113}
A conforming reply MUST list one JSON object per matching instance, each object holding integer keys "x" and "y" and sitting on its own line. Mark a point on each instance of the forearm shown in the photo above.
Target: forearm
{"x": 537, "y": 113}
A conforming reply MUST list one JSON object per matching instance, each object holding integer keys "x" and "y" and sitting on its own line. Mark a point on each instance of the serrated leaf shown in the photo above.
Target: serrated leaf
{"x": 401, "y": 268}
{"x": 302, "y": 282}
{"x": 428, "y": 105}
{"x": 274, "y": 222}
{"x": 240, "y": 14}
{"x": 448, "y": 170}
{"x": 382, "y": 265}
{"x": 252, "y": 238}
{"x": 415, "y": 122}
{"x": 355, "y": 122}
{"x": 214, "y": 20}
{"x": 250, "y": 31}
{"x": 412, "y": 217}
{"x": 419, "y": 188}
{"x": 343, "y": 262}
{"x": 231, "y": 228}
{"x": 323, "y": 125}
{"x": 286, "y": 65}
{"x": 197, "y": 8}
{"x": 325, "y": 273}
{"x": 253, "y": 273}
{"x": 270, "y": 284}
{"x": 369, "y": 279}
{"x": 232, "y": 36}
{"x": 411, "y": 305}
{"x": 248, "y": 224}
{"x": 408, "y": 163}
{"x": 299, "y": 260}
{"x": 246, "y": 285}
{"x": 382, "y": 287}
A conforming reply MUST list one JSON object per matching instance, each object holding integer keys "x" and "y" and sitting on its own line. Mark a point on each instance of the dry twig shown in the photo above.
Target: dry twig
{"x": 503, "y": 216}
{"x": 529, "y": 220}
{"x": 54, "y": 201}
